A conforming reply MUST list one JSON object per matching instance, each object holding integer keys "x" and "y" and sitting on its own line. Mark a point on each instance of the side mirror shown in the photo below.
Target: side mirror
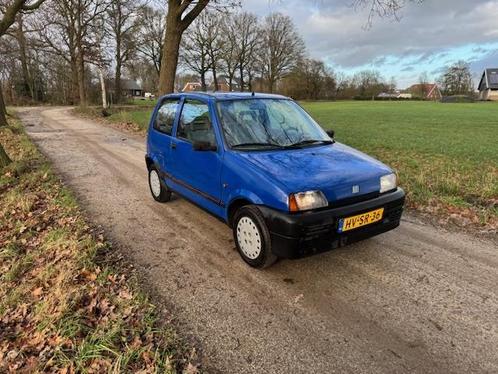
{"x": 203, "y": 146}
{"x": 331, "y": 133}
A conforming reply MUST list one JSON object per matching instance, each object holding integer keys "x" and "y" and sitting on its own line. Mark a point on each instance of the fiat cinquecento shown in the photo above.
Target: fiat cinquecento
{"x": 262, "y": 164}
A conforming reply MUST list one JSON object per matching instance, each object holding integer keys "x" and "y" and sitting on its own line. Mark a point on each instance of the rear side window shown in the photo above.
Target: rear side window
{"x": 195, "y": 123}
{"x": 166, "y": 116}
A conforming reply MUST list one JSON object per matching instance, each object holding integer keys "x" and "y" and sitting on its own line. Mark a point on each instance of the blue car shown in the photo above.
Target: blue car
{"x": 261, "y": 164}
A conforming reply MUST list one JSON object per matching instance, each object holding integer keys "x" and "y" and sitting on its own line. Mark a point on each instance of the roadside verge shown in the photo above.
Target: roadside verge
{"x": 66, "y": 303}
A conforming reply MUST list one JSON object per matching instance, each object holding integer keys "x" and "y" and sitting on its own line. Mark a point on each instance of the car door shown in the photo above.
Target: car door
{"x": 197, "y": 171}
{"x": 162, "y": 131}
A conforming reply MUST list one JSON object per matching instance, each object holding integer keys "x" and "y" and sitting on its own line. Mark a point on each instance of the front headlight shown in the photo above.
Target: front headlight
{"x": 307, "y": 200}
{"x": 388, "y": 182}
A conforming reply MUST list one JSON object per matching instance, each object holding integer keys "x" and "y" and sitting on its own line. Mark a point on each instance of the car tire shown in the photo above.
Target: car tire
{"x": 158, "y": 189}
{"x": 252, "y": 237}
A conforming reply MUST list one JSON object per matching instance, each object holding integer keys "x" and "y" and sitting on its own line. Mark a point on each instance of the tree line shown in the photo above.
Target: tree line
{"x": 72, "y": 51}
{"x": 78, "y": 51}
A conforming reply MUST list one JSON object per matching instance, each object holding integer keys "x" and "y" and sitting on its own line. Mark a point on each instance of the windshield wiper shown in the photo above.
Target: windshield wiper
{"x": 309, "y": 141}
{"x": 256, "y": 144}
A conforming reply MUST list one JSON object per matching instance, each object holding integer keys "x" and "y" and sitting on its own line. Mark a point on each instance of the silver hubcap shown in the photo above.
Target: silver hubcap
{"x": 155, "y": 184}
{"x": 248, "y": 238}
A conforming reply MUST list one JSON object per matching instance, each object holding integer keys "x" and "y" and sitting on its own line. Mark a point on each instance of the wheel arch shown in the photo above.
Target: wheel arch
{"x": 234, "y": 205}
{"x": 149, "y": 162}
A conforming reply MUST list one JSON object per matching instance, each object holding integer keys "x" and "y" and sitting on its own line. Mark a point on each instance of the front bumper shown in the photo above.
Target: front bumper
{"x": 304, "y": 234}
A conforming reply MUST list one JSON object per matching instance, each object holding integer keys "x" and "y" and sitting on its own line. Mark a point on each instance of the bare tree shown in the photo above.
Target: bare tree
{"x": 9, "y": 10}
{"x": 457, "y": 79}
{"x": 310, "y": 79}
{"x": 181, "y": 13}
{"x": 241, "y": 35}
{"x": 423, "y": 80}
{"x": 19, "y": 33}
{"x": 281, "y": 49}
{"x": 195, "y": 49}
{"x": 248, "y": 32}
{"x": 368, "y": 84}
{"x": 122, "y": 21}
{"x": 214, "y": 43}
{"x": 150, "y": 35}
{"x": 70, "y": 33}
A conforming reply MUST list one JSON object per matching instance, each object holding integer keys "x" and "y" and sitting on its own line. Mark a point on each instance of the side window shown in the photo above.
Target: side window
{"x": 166, "y": 116}
{"x": 195, "y": 124}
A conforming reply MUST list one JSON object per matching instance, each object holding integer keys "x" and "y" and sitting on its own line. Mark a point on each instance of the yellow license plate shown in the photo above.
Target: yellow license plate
{"x": 351, "y": 223}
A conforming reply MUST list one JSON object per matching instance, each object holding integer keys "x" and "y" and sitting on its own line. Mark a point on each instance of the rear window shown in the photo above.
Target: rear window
{"x": 166, "y": 116}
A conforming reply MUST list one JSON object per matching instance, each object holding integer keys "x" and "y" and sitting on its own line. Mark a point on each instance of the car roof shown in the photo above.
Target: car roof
{"x": 228, "y": 95}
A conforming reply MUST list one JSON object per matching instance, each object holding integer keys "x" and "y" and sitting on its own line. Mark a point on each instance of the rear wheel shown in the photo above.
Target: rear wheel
{"x": 158, "y": 189}
{"x": 252, "y": 237}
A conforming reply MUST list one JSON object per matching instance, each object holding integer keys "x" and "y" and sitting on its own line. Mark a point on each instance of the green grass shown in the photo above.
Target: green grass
{"x": 141, "y": 118}
{"x": 446, "y": 155}
{"x": 443, "y": 153}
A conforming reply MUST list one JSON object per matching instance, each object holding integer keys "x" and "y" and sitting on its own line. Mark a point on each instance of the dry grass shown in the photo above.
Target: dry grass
{"x": 63, "y": 308}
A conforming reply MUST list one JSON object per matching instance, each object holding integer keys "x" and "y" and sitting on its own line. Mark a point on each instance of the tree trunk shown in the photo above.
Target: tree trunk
{"x": 271, "y": 84}
{"x": 249, "y": 80}
{"x": 81, "y": 79}
{"x": 4, "y": 158}
{"x": 215, "y": 79}
{"x": 203, "y": 82}
{"x": 103, "y": 89}
{"x": 177, "y": 21}
{"x": 117, "y": 82}
{"x": 21, "y": 41}
{"x": 169, "y": 58}
{"x": 3, "y": 110}
{"x": 241, "y": 72}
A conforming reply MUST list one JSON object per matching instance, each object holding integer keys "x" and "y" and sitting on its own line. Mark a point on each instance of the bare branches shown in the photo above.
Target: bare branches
{"x": 193, "y": 13}
{"x": 381, "y": 8}
{"x": 11, "y": 10}
{"x": 33, "y": 6}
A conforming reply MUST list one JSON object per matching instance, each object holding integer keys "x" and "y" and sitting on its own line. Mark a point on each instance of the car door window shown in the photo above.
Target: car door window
{"x": 195, "y": 123}
{"x": 166, "y": 116}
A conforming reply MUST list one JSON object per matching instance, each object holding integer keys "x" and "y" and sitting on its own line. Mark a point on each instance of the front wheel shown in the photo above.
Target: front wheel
{"x": 158, "y": 190}
{"x": 252, "y": 237}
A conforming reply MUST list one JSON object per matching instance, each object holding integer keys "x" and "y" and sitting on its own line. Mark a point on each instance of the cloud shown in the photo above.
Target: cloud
{"x": 428, "y": 35}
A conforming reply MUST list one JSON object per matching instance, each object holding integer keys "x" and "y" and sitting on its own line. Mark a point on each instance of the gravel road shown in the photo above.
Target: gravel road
{"x": 417, "y": 299}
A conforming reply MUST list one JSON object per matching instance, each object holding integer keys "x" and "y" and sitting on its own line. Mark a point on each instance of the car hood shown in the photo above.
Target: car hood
{"x": 333, "y": 169}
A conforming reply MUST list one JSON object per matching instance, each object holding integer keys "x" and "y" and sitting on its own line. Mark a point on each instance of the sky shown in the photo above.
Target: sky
{"x": 427, "y": 37}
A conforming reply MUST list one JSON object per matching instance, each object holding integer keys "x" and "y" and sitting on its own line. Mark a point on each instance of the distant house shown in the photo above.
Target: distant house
{"x": 223, "y": 85}
{"x": 426, "y": 91}
{"x": 130, "y": 88}
{"x": 192, "y": 86}
{"x": 405, "y": 95}
{"x": 388, "y": 95}
{"x": 488, "y": 86}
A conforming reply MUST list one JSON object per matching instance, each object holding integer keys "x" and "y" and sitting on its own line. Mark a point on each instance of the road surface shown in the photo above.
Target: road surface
{"x": 414, "y": 300}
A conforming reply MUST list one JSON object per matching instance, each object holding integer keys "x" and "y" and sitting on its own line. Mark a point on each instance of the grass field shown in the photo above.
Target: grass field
{"x": 446, "y": 155}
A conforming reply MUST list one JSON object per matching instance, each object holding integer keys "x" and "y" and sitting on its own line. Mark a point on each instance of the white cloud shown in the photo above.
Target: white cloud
{"x": 432, "y": 33}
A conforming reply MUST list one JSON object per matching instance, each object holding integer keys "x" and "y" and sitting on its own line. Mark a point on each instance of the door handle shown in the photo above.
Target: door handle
{"x": 173, "y": 145}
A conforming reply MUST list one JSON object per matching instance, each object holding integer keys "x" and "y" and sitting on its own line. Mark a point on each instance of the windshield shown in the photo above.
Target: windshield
{"x": 268, "y": 123}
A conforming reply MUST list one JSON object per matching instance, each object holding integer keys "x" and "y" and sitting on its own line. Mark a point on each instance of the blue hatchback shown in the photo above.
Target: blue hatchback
{"x": 264, "y": 166}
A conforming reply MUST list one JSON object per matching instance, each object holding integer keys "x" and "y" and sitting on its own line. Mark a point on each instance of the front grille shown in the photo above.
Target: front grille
{"x": 353, "y": 200}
